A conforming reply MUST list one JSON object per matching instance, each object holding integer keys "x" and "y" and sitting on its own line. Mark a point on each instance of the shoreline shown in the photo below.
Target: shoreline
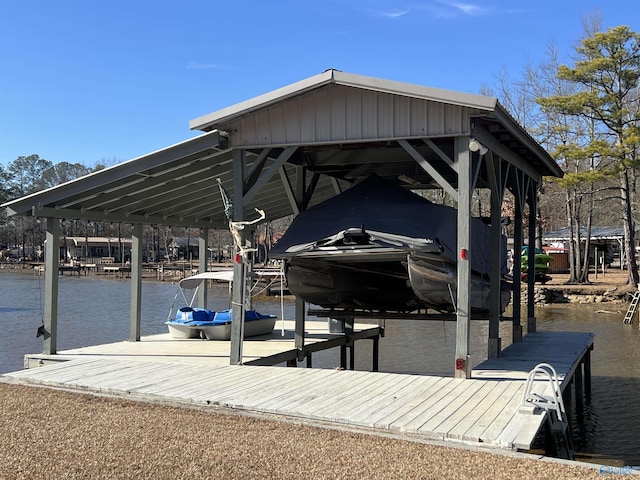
{"x": 609, "y": 287}
{"x": 49, "y": 433}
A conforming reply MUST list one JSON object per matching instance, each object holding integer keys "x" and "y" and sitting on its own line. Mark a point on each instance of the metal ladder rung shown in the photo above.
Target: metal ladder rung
{"x": 552, "y": 404}
{"x": 628, "y": 318}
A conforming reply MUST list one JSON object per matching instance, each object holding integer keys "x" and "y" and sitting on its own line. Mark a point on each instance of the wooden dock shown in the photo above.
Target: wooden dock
{"x": 483, "y": 410}
{"x": 273, "y": 349}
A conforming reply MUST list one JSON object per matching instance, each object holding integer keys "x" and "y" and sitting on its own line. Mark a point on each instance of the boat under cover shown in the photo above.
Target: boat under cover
{"x": 353, "y": 250}
{"x": 435, "y": 281}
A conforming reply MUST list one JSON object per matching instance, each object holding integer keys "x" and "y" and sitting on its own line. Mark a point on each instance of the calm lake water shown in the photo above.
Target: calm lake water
{"x": 94, "y": 310}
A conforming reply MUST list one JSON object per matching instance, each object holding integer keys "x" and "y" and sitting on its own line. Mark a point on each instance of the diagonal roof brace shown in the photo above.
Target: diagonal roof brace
{"x": 271, "y": 171}
{"x": 429, "y": 169}
{"x": 438, "y": 151}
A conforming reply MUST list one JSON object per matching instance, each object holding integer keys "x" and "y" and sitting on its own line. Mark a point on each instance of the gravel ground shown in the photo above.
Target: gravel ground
{"x": 52, "y": 434}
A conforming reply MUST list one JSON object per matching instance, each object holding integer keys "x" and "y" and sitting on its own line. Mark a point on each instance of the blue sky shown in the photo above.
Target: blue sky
{"x": 103, "y": 82}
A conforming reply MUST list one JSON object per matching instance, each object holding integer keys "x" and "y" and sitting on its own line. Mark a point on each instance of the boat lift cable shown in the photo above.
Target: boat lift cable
{"x": 266, "y": 288}
{"x": 243, "y": 307}
{"x": 236, "y": 228}
{"x": 40, "y": 293}
{"x": 453, "y": 298}
{"x": 262, "y": 290}
{"x": 282, "y": 298}
{"x": 41, "y": 329}
{"x": 451, "y": 295}
{"x": 41, "y": 301}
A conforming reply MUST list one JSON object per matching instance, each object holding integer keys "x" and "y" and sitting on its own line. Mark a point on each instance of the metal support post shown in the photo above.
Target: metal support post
{"x": 463, "y": 312}
{"x": 135, "y": 310}
{"x": 238, "y": 287}
{"x": 531, "y": 266}
{"x": 203, "y": 250}
{"x": 52, "y": 264}
{"x": 375, "y": 355}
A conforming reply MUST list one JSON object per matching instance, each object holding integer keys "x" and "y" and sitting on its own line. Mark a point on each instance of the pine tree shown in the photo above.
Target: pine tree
{"x": 607, "y": 76}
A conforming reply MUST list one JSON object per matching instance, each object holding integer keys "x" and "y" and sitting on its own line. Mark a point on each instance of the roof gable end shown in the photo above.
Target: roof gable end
{"x": 222, "y": 118}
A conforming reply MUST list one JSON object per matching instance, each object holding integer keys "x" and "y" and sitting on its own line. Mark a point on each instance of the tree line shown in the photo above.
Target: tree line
{"x": 26, "y": 175}
{"x": 30, "y": 174}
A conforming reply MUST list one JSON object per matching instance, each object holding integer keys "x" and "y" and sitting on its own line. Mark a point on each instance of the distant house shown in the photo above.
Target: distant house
{"x": 183, "y": 248}
{"x": 605, "y": 241}
{"x": 119, "y": 249}
{"x": 95, "y": 247}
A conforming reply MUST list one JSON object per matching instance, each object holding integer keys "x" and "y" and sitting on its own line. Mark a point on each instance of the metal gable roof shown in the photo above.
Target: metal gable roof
{"x": 217, "y": 120}
{"x": 177, "y": 185}
{"x": 289, "y": 116}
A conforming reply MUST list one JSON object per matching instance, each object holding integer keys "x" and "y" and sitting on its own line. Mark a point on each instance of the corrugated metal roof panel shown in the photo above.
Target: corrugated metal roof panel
{"x": 221, "y": 118}
{"x": 339, "y": 114}
{"x": 605, "y": 233}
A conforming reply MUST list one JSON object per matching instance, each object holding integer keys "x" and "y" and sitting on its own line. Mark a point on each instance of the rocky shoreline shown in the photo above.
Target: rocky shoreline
{"x": 611, "y": 287}
{"x": 548, "y": 295}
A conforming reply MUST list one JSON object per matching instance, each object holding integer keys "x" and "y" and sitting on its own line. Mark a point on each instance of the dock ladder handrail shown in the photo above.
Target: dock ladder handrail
{"x": 628, "y": 318}
{"x": 552, "y": 403}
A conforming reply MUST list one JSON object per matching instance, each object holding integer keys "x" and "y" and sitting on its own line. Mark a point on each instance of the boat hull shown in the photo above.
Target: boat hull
{"x": 369, "y": 285}
{"x": 218, "y": 327}
{"x": 253, "y": 328}
{"x": 183, "y": 331}
{"x": 435, "y": 282}
{"x": 350, "y": 252}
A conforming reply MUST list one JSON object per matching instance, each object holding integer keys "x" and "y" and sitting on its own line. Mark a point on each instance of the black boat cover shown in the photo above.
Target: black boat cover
{"x": 387, "y": 214}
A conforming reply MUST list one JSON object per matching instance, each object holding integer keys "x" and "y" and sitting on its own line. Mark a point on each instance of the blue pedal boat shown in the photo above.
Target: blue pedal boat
{"x": 194, "y": 322}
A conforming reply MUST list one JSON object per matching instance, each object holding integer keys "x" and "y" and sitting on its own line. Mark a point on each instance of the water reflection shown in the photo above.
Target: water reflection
{"x": 611, "y": 425}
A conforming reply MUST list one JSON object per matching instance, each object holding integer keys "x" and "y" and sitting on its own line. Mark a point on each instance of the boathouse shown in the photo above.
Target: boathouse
{"x": 607, "y": 244}
{"x": 292, "y": 148}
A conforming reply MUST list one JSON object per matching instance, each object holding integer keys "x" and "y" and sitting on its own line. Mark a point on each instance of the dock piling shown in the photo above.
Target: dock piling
{"x": 587, "y": 371}
{"x": 579, "y": 392}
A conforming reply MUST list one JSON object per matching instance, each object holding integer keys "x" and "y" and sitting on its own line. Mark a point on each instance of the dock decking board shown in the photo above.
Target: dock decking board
{"x": 486, "y": 414}
{"x": 340, "y": 396}
{"x": 362, "y": 414}
{"x": 366, "y": 397}
{"x": 295, "y": 386}
{"x": 450, "y": 419}
{"x": 416, "y": 417}
{"x": 484, "y": 409}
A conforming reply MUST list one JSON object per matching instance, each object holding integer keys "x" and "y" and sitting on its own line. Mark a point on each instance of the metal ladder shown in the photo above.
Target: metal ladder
{"x": 553, "y": 404}
{"x": 628, "y": 318}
